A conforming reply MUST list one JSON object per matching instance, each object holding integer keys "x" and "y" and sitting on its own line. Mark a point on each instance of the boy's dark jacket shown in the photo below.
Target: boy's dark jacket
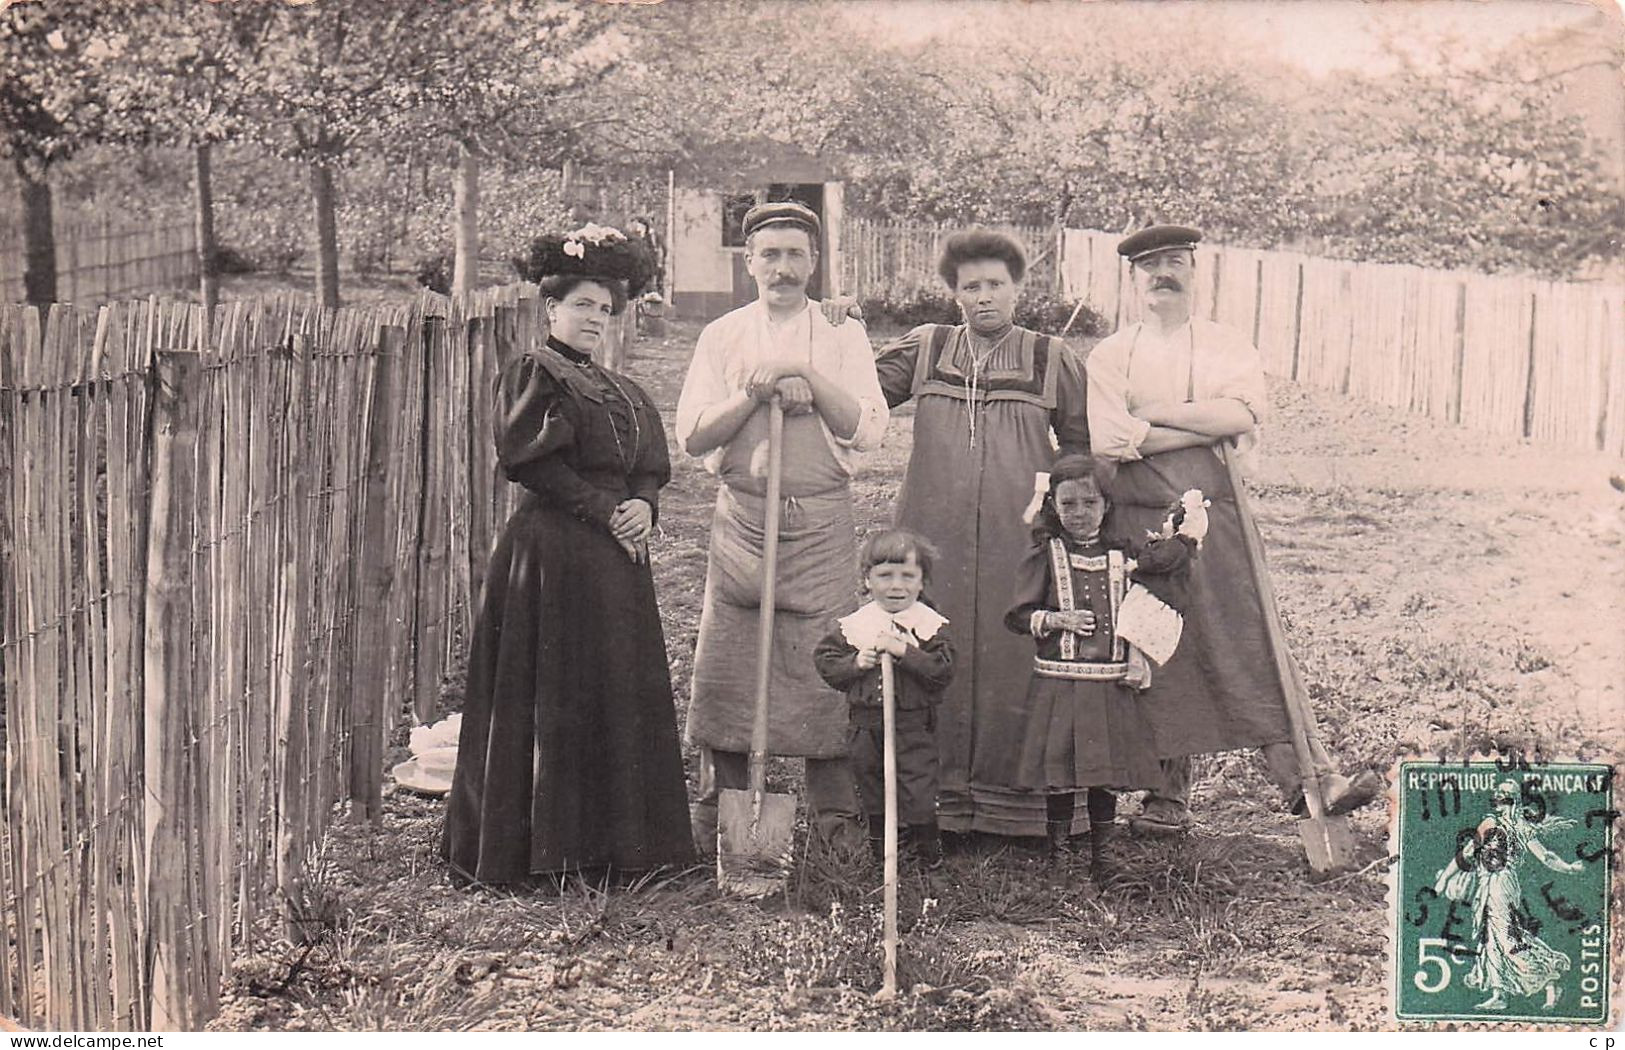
{"x": 923, "y": 672}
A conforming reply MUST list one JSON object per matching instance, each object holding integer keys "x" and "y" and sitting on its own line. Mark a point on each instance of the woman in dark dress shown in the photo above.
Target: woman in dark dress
{"x": 569, "y": 758}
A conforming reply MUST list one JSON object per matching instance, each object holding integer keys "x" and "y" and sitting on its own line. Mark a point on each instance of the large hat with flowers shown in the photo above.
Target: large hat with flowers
{"x": 600, "y": 252}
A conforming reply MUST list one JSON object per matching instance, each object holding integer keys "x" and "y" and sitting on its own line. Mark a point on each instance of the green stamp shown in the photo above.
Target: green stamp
{"x": 1501, "y": 908}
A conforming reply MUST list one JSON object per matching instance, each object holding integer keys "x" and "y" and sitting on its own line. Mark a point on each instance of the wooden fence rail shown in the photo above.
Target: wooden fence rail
{"x": 1522, "y": 357}
{"x": 98, "y": 260}
{"x": 236, "y": 553}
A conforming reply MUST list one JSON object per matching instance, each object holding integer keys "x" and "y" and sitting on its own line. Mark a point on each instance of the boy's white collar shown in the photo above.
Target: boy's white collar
{"x": 862, "y": 627}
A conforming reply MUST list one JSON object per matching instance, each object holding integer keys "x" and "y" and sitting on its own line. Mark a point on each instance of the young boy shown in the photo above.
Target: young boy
{"x": 896, "y": 566}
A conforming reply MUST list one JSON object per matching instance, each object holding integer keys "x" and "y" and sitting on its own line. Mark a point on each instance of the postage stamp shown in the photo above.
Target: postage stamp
{"x": 1501, "y": 892}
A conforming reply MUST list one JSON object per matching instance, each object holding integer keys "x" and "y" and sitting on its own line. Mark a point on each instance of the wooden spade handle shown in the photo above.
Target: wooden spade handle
{"x": 888, "y": 710}
{"x": 770, "y": 566}
{"x": 1297, "y": 699}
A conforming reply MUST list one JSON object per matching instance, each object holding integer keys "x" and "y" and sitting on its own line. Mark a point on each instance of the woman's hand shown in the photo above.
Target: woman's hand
{"x": 838, "y": 309}
{"x": 632, "y": 521}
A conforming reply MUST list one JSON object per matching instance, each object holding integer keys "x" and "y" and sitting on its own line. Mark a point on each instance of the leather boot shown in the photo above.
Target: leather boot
{"x": 927, "y": 841}
{"x": 1058, "y": 831}
{"x": 1058, "y": 822}
{"x": 1101, "y": 868}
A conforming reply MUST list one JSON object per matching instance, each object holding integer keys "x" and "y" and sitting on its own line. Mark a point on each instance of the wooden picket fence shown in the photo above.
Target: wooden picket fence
{"x": 98, "y": 259}
{"x": 1528, "y": 358}
{"x": 237, "y": 555}
{"x": 899, "y": 260}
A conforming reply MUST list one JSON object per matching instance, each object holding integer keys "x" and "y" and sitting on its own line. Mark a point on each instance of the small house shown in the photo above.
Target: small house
{"x": 705, "y": 246}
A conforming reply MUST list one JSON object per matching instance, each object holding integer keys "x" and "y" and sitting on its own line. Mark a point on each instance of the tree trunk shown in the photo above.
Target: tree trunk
{"x": 466, "y": 221}
{"x": 327, "y": 233}
{"x": 39, "y": 235}
{"x": 203, "y": 199}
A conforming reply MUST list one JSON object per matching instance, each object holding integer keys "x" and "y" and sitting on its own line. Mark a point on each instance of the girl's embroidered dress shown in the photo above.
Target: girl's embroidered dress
{"x": 1078, "y": 724}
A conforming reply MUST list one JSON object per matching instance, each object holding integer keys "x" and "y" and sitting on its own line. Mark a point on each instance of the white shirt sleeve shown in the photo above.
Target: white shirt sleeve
{"x": 705, "y": 385}
{"x": 856, "y": 375}
{"x": 1113, "y": 431}
{"x": 1240, "y": 375}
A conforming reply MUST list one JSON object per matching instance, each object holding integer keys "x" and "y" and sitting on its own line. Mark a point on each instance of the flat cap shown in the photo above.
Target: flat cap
{"x": 1153, "y": 239}
{"x": 781, "y": 213}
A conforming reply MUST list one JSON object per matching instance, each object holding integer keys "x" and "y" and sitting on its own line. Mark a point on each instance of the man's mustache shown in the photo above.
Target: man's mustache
{"x": 785, "y": 282}
{"x": 1165, "y": 282}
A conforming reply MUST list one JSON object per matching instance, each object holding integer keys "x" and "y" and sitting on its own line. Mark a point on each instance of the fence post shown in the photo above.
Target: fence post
{"x": 292, "y": 681}
{"x": 1058, "y": 281}
{"x": 1258, "y": 300}
{"x": 1529, "y": 375}
{"x": 167, "y": 681}
{"x": 1458, "y": 354}
{"x": 483, "y": 332}
{"x": 1213, "y": 298}
{"x": 1297, "y": 324}
{"x": 377, "y": 575}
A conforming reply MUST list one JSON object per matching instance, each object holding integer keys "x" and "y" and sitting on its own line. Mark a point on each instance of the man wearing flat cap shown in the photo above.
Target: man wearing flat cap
{"x": 778, "y": 346}
{"x": 1167, "y": 397}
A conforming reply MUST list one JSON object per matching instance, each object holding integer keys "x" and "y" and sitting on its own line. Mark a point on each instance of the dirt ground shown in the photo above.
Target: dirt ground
{"x": 1444, "y": 591}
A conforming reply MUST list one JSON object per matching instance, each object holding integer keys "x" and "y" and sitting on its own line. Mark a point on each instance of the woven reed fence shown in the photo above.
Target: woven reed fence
{"x": 1528, "y": 358}
{"x": 99, "y": 259}
{"x": 235, "y": 557}
{"x": 899, "y": 260}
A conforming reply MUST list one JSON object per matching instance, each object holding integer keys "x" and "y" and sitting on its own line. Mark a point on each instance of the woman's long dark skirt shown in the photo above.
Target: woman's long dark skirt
{"x": 568, "y": 758}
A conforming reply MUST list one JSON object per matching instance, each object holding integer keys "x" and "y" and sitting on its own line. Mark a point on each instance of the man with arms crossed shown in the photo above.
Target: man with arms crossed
{"x": 1165, "y": 396}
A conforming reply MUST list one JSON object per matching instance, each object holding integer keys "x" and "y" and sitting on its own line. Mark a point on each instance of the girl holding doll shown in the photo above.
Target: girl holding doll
{"x": 1081, "y": 725}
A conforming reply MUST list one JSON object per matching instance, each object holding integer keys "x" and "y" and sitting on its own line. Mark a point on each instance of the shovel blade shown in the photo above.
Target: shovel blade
{"x": 754, "y": 845}
{"x": 1328, "y": 843}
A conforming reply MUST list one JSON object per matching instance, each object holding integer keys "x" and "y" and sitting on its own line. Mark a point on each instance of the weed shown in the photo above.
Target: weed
{"x": 1529, "y": 658}
{"x": 313, "y": 907}
{"x": 1418, "y": 604}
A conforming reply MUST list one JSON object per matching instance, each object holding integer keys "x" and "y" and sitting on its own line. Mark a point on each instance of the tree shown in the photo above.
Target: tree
{"x": 1085, "y": 119}
{"x": 173, "y": 77}
{"x": 708, "y": 79}
{"x": 321, "y": 77}
{"x": 47, "y": 105}
{"x": 505, "y": 77}
{"x": 1475, "y": 172}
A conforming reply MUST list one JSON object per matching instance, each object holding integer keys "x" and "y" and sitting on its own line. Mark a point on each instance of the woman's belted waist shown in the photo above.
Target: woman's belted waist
{"x": 611, "y": 482}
